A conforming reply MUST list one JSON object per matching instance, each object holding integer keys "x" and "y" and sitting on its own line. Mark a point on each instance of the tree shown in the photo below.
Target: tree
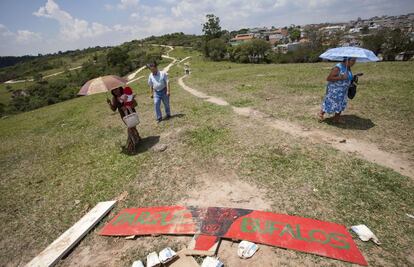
{"x": 216, "y": 49}
{"x": 38, "y": 77}
{"x": 335, "y": 38}
{"x": 2, "y": 109}
{"x": 212, "y": 28}
{"x": 365, "y": 30}
{"x": 315, "y": 38}
{"x": 294, "y": 33}
{"x": 254, "y": 51}
{"x": 396, "y": 42}
{"x": 388, "y": 42}
{"x": 374, "y": 42}
{"x": 116, "y": 56}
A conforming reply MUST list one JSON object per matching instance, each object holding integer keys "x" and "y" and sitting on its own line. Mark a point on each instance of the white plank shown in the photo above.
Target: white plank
{"x": 55, "y": 251}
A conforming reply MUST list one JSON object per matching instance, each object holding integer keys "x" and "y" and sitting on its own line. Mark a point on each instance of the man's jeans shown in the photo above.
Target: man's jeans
{"x": 158, "y": 97}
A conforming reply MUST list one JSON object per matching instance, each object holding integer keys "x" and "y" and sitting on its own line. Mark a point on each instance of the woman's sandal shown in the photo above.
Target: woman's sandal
{"x": 320, "y": 117}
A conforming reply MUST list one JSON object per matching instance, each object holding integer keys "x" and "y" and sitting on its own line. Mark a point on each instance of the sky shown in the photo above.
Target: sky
{"x": 48, "y": 26}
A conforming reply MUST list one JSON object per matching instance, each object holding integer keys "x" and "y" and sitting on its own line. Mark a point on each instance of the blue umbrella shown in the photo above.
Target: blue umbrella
{"x": 339, "y": 53}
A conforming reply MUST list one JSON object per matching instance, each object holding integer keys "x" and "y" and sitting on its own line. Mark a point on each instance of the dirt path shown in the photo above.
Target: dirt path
{"x": 131, "y": 77}
{"x": 47, "y": 76}
{"x": 361, "y": 149}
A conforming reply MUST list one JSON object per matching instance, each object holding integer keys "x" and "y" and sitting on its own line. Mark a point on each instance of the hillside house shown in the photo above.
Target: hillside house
{"x": 241, "y": 38}
{"x": 284, "y": 48}
{"x": 329, "y": 30}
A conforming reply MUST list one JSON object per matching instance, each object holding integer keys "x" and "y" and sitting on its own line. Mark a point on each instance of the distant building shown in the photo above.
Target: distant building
{"x": 405, "y": 56}
{"x": 290, "y": 47}
{"x": 276, "y": 38}
{"x": 241, "y": 38}
{"x": 355, "y": 30}
{"x": 332, "y": 29}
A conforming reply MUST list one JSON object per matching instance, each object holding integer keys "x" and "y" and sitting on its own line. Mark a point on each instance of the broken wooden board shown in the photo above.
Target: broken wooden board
{"x": 55, "y": 251}
{"x": 292, "y": 232}
{"x": 204, "y": 244}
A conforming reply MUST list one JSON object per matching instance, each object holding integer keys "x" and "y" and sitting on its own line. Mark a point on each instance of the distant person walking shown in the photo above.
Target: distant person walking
{"x": 159, "y": 90}
{"x": 336, "y": 97}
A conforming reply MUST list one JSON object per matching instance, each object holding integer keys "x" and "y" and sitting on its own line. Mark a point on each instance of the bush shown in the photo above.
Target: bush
{"x": 216, "y": 49}
{"x": 302, "y": 55}
{"x": 255, "y": 51}
{"x": 388, "y": 42}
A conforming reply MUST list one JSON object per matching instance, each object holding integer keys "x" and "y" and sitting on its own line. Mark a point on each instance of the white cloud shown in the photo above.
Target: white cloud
{"x": 4, "y": 32}
{"x": 108, "y": 7}
{"x": 71, "y": 29}
{"x": 124, "y": 4}
{"x": 24, "y": 36}
{"x": 13, "y": 43}
{"x": 20, "y": 36}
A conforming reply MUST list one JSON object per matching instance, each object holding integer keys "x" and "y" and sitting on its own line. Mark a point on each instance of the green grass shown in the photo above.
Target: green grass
{"x": 382, "y": 111}
{"x": 57, "y": 162}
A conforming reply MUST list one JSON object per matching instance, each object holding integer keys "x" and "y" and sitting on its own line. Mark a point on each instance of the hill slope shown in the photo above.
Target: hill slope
{"x": 58, "y": 161}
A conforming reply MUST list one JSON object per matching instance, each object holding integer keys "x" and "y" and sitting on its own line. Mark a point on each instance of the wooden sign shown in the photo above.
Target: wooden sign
{"x": 292, "y": 232}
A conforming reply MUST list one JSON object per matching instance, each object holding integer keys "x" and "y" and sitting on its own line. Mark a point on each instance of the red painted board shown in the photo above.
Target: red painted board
{"x": 206, "y": 242}
{"x": 302, "y": 234}
{"x": 154, "y": 220}
{"x": 292, "y": 232}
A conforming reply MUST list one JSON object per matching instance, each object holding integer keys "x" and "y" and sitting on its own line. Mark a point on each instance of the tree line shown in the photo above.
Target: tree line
{"x": 215, "y": 46}
{"x": 119, "y": 60}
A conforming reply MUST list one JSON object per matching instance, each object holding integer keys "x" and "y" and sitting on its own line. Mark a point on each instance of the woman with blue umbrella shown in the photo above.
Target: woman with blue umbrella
{"x": 340, "y": 78}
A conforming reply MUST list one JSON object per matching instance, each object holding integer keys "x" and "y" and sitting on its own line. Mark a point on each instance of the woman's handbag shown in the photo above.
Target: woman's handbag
{"x": 131, "y": 120}
{"x": 352, "y": 89}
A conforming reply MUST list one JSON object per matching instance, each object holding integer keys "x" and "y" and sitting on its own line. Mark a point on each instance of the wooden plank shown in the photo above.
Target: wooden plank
{"x": 55, "y": 251}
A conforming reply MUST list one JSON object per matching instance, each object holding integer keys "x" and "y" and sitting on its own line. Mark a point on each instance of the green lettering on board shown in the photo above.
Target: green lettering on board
{"x": 334, "y": 236}
{"x": 314, "y": 239}
{"x": 144, "y": 215}
{"x": 125, "y": 218}
{"x": 299, "y": 234}
{"x": 250, "y": 225}
{"x": 288, "y": 229}
{"x": 270, "y": 226}
{"x": 164, "y": 215}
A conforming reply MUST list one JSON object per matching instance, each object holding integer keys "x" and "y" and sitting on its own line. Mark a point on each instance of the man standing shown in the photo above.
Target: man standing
{"x": 159, "y": 90}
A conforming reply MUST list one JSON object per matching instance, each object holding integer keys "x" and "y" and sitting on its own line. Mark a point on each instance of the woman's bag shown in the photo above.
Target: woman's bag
{"x": 352, "y": 90}
{"x": 131, "y": 120}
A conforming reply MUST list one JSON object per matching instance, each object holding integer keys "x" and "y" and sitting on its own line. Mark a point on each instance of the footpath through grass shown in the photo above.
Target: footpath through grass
{"x": 58, "y": 162}
{"x": 382, "y": 111}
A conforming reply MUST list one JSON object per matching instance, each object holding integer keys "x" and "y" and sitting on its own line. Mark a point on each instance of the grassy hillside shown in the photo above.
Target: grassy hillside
{"x": 382, "y": 111}
{"x": 49, "y": 88}
{"x": 57, "y": 162}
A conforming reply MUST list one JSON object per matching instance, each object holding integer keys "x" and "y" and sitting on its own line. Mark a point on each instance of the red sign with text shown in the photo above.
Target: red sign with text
{"x": 292, "y": 232}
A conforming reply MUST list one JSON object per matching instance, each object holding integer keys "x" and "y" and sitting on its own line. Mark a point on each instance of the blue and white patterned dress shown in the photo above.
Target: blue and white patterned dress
{"x": 336, "y": 97}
